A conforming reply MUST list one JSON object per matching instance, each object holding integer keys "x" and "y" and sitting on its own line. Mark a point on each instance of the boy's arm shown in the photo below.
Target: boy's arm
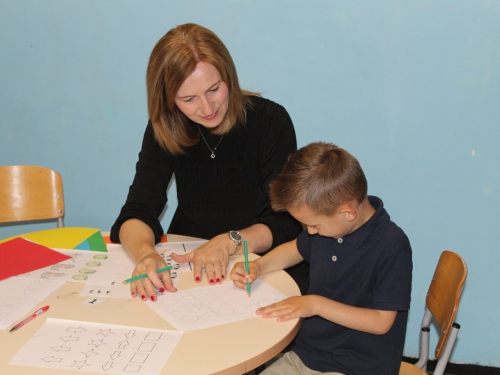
{"x": 283, "y": 256}
{"x": 377, "y": 322}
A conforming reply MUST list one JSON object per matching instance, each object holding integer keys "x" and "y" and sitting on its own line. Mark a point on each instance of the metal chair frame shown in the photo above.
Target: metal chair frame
{"x": 441, "y": 302}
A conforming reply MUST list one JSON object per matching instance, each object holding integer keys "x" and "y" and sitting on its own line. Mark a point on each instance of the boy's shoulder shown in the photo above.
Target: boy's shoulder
{"x": 382, "y": 228}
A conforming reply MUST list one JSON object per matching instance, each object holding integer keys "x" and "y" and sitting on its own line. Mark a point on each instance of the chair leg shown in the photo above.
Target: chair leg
{"x": 423, "y": 354}
{"x": 445, "y": 356}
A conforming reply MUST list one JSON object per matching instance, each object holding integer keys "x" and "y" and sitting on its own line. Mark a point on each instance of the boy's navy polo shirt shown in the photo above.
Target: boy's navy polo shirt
{"x": 370, "y": 268}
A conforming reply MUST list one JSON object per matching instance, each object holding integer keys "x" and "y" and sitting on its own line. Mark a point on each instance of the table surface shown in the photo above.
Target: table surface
{"x": 233, "y": 348}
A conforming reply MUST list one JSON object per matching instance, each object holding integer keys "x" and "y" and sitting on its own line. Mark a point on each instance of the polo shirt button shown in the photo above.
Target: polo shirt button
{"x": 334, "y": 258}
{"x": 340, "y": 240}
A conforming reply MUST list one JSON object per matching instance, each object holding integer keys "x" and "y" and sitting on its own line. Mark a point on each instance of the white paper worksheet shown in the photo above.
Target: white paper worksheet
{"x": 19, "y": 295}
{"x": 211, "y": 305}
{"x": 117, "y": 290}
{"x": 85, "y": 266}
{"x": 95, "y": 347}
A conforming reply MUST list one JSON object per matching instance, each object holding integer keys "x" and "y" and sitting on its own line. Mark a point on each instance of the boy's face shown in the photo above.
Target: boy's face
{"x": 336, "y": 225}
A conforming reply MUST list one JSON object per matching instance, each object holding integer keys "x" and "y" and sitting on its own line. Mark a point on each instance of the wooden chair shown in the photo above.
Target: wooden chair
{"x": 30, "y": 193}
{"x": 442, "y": 301}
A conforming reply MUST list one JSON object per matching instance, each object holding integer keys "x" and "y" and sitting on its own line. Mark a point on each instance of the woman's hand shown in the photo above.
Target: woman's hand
{"x": 240, "y": 276}
{"x": 290, "y": 308}
{"x": 145, "y": 287}
{"x": 213, "y": 256}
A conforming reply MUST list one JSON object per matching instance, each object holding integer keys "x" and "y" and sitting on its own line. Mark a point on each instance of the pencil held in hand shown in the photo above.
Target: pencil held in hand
{"x": 247, "y": 268}
{"x": 145, "y": 275}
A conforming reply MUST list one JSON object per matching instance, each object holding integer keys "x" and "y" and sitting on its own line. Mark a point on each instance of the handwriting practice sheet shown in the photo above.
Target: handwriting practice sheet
{"x": 101, "y": 348}
{"x": 18, "y": 296}
{"x": 211, "y": 305}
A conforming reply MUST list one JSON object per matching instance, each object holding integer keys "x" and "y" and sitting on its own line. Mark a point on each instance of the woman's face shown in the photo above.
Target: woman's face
{"x": 203, "y": 97}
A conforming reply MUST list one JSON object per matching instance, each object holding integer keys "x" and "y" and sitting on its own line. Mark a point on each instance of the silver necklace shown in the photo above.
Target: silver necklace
{"x": 213, "y": 151}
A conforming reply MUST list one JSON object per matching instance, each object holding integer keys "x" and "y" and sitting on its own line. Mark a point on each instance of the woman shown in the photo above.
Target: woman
{"x": 224, "y": 146}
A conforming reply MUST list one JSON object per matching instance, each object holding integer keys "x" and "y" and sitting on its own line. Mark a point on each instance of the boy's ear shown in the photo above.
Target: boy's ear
{"x": 349, "y": 213}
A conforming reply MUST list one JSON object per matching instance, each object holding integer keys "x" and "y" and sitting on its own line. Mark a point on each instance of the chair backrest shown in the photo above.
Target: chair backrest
{"x": 444, "y": 293}
{"x": 29, "y": 193}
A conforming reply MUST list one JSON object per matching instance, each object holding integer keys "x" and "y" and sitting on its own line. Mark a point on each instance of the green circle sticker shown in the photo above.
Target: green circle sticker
{"x": 87, "y": 271}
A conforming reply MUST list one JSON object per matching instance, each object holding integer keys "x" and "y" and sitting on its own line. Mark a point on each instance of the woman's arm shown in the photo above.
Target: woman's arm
{"x": 147, "y": 195}
{"x": 278, "y": 141}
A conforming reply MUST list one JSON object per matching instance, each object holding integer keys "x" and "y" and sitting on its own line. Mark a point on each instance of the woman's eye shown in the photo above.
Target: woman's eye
{"x": 188, "y": 100}
{"x": 214, "y": 90}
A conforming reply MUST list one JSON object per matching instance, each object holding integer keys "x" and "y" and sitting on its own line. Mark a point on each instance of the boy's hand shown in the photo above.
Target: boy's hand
{"x": 240, "y": 276}
{"x": 290, "y": 308}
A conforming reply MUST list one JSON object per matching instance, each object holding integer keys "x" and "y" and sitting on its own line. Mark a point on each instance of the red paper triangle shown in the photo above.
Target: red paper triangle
{"x": 19, "y": 256}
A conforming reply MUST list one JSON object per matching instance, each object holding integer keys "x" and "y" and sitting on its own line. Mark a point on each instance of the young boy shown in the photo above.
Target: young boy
{"x": 360, "y": 269}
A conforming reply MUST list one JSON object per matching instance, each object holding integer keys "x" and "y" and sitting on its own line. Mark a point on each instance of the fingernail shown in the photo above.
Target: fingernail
{"x": 211, "y": 281}
{"x": 222, "y": 277}
{"x": 162, "y": 290}
{"x": 197, "y": 279}
{"x": 218, "y": 280}
{"x": 134, "y": 294}
{"x": 153, "y": 298}
{"x": 143, "y": 297}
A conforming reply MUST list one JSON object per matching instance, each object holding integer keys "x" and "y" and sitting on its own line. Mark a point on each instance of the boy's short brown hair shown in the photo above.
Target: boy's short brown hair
{"x": 321, "y": 176}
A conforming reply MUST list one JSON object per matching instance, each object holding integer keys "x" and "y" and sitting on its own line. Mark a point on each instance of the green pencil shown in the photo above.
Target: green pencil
{"x": 145, "y": 275}
{"x": 246, "y": 265}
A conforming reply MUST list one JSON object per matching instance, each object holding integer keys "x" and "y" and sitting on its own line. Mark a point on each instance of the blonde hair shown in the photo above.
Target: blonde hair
{"x": 321, "y": 176}
{"x": 172, "y": 60}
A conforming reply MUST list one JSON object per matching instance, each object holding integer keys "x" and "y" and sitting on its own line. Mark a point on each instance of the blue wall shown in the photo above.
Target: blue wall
{"x": 412, "y": 88}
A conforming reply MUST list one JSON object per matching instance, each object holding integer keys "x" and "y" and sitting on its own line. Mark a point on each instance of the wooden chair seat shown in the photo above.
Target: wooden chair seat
{"x": 409, "y": 369}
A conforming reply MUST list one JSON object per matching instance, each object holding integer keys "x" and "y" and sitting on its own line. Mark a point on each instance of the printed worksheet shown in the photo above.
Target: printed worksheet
{"x": 19, "y": 296}
{"x": 95, "y": 347}
{"x": 117, "y": 290}
{"x": 211, "y": 305}
{"x": 87, "y": 267}
{"x": 166, "y": 248}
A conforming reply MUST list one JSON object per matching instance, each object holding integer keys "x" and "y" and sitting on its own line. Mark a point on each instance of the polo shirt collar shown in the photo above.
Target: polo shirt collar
{"x": 356, "y": 238}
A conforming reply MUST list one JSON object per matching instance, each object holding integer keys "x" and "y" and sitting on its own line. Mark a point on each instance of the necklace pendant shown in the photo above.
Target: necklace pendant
{"x": 213, "y": 155}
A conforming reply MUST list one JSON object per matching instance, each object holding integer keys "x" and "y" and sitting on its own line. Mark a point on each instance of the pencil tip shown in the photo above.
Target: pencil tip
{"x": 248, "y": 294}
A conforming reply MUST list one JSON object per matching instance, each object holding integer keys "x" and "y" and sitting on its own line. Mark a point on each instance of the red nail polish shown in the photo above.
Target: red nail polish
{"x": 162, "y": 290}
{"x": 211, "y": 281}
{"x": 222, "y": 277}
{"x": 197, "y": 279}
{"x": 143, "y": 297}
{"x": 153, "y": 298}
{"x": 218, "y": 280}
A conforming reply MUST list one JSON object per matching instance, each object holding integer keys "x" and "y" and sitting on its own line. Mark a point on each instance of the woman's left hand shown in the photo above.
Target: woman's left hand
{"x": 213, "y": 256}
